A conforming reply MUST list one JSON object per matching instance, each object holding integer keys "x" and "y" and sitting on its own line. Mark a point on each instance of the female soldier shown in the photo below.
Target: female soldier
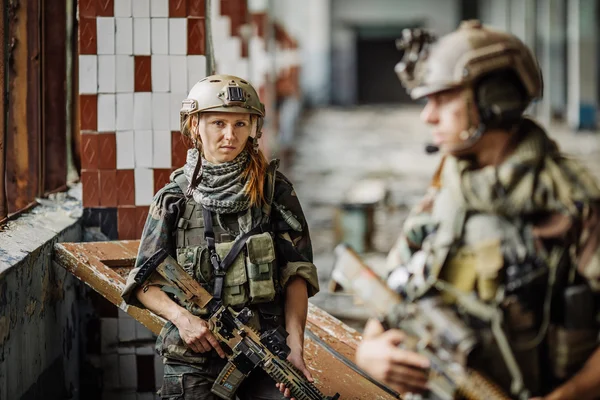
{"x": 226, "y": 189}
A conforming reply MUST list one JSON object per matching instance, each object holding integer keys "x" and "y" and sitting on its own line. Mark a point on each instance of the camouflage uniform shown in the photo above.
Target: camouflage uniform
{"x": 190, "y": 374}
{"x": 506, "y": 240}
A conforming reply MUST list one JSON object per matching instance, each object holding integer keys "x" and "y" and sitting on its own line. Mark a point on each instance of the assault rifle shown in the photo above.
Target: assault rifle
{"x": 432, "y": 330}
{"x": 246, "y": 349}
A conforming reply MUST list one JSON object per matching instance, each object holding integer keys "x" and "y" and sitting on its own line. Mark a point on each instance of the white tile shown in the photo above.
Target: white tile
{"x": 178, "y": 36}
{"x": 141, "y": 36}
{"x": 141, "y": 8}
{"x": 108, "y": 335}
{"x": 125, "y": 73}
{"x": 144, "y": 350}
{"x": 107, "y": 74}
{"x": 159, "y": 371}
{"x": 110, "y": 371}
{"x": 125, "y": 150}
{"x": 143, "y": 333}
{"x": 196, "y": 68}
{"x": 160, "y": 111}
{"x": 126, "y": 330}
{"x": 178, "y": 73}
{"x": 122, "y": 8}
{"x": 175, "y": 103}
{"x": 159, "y": 8}
{"x": 162, "y": 149}
{"x": 107, "y": 117}
{"x": 105, "y": 33}
{"x": 88, "y": 74}
{"x": 160, "y": 35}
{"x": 160, "y": 73}
{"x": 142, "y": 111}
{"x": 143, "y": 149}
{"x": 124, "y": 111}
{"x": 128, "y": 369}
{"x": 144, "y": 186}
{"x": 124, "y": 36}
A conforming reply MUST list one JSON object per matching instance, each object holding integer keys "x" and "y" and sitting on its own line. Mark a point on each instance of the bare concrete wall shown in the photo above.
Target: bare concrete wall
{"x": 39, "y": 318}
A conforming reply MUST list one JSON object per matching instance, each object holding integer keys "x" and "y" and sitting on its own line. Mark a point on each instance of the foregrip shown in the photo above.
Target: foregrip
{"x": 284, "y": 372}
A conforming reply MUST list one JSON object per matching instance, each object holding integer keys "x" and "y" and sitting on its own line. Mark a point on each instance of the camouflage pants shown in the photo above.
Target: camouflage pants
{"x": 187, "y": 382}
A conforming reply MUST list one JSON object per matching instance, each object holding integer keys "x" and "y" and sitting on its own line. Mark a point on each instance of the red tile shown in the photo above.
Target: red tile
{"x": 195, "y": 8}
{"x": 177, "y": 8}
{"x": 87, "y": 8}
{"x": 225, "y": 7}
{"x": 107, "y": 150}
{"x": 126, "y": 224}
{"x": 88, "y": 111}
{"x": 244, "y": 45}
{"x": 161, "y": 178}
{"x": 179, "y": 148}
{"x": 143, "y": 74}
{"x": 125, "y": 187}
{"x": 87, "y": 36}
{"x": 237, "y": 21}
{"x": 196, "y": 29}
{"x": 141, "y": 214}
{"x": 89, "y": 151}
{"x": 108, "y": 188}
{"x": 105, "y": 8}
{"x": 91, "y": 188}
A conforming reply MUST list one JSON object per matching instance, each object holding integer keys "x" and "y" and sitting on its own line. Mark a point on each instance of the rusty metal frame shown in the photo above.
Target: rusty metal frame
{"x": 104, "y": 266}
{"x": 54, "y": 96}
{"x": 3, "y": 127}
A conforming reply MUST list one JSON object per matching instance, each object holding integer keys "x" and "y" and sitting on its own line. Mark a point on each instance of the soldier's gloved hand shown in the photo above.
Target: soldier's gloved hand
{"x": 379, "y": 355}
{"x": 196, "y": 334}
{"x": 297, "y": 360}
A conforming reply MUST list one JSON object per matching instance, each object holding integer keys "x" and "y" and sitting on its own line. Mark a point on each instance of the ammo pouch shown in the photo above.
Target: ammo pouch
{"x": 260, "y": 266}
{"x": 235, "y": 291}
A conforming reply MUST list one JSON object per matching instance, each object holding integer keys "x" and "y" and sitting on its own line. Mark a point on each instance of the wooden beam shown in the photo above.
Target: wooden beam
{"x": 23, "y": 134}
{"x": 54, "y": 96}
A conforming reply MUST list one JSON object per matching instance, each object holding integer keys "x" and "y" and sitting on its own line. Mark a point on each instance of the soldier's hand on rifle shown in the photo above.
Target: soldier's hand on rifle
{"x": 196, "y": 334}
{"x": 379, "y": 355}
{"x": 297, "y": 360}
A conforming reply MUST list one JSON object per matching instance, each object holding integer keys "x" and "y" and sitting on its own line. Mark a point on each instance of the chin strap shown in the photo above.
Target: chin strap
{"x": 473, "y": 133}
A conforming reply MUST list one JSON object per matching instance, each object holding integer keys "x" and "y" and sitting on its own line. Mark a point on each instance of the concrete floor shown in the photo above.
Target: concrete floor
{"x": 337, "y": 146}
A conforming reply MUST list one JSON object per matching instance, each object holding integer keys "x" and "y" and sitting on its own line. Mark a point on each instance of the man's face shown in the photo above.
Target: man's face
{"x": 448, "y": 114}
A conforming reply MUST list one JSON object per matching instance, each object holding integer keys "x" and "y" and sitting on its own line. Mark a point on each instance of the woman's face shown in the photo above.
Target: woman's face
{"x": 223, "y": 135}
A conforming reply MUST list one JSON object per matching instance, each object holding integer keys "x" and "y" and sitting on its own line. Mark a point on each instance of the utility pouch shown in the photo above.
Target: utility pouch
{"x": 196, "y": 262}
{"x": 569, "y": 349}
{"x": 260, "y": 264}
{"x": 234, "y": 287}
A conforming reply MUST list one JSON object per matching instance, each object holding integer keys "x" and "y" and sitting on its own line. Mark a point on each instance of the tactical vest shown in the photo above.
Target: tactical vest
{"x": 478, "y": 252}
{"x": 252, "y": 278}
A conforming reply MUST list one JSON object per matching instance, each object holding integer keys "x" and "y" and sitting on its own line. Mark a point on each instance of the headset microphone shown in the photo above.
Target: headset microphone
{"x": 431, "y": 148}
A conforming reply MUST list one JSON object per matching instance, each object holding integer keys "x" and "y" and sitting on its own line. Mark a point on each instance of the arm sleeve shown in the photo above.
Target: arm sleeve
{"x": 294, "y": 248}
{"x": 158, "y": 233}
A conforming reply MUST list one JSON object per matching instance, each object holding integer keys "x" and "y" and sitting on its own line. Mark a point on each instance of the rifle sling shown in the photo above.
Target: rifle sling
{"x": 220, "y": 267}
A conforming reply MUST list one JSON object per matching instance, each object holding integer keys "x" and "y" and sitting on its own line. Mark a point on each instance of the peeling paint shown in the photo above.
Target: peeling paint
{"x": 30, "y": 309}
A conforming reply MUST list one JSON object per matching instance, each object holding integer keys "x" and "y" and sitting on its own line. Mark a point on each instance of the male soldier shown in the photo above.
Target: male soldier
{"x": 510, "y": 219}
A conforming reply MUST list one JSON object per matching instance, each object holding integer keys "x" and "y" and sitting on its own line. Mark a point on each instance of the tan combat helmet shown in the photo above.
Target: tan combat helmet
{"x": 463, "y": 57}
{"x": 222, "y": 93}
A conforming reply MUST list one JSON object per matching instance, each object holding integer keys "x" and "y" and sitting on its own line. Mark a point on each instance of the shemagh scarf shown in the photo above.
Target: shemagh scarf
{"x": 221, "y": 187}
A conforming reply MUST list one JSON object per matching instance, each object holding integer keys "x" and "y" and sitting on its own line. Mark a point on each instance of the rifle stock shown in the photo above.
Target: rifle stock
{"x": 246, "y": 348}
{"x": 449, "y": 378}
